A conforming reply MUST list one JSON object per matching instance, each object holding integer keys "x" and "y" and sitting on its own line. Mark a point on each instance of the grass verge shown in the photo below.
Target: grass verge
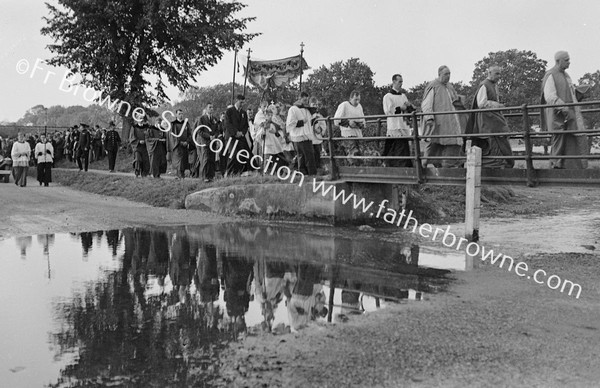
{"x": 156, "y": 192}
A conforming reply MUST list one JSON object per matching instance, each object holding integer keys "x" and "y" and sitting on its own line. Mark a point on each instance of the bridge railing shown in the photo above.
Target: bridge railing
{"x": 525, "y": 112}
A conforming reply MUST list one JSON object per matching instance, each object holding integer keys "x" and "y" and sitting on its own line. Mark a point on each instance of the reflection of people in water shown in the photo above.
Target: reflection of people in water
{"x": 86, "y": 242}
{"x": 112, "y": 239}
{"x": 181, "y": 267}
{"x": 207, "y": 275}
{"x": 23, "y": 243}
{"x": 46, "y": 240}
{"x": 206, "y": 279}
{"x": 237, "y": 275}
{"x": 410, "y": 255}
{"x": 351, "y": 304}
{"x": 158, "y": 256}
{"x": 269, "y": 288}
{"x": 305, "y": 296}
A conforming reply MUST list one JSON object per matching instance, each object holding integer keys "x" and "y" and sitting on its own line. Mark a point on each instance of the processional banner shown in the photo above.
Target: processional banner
{"x": 274, "y": 73}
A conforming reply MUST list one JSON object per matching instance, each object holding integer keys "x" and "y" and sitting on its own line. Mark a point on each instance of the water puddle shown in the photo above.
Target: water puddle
{"x": 155, "y": 306}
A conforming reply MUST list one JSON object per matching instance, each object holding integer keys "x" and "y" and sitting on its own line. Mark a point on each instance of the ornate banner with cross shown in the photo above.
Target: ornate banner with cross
{"x": 274, "y": 73}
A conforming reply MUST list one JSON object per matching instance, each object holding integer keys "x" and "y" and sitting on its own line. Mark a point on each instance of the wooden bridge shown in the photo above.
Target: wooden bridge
{"x": 366, "y": 170}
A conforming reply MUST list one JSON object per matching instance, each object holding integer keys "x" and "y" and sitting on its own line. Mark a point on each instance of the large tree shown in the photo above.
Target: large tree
{"x": 128, "y": 48}
{"x": 593, "y": 80}
{"x": 520, "y": 75}
{"x": 333, "y": 84}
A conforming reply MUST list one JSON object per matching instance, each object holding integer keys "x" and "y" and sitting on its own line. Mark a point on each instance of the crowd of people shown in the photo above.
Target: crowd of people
{"x": 293, "y": 136}
{"x": 79, "y": 144}
{"x": 440, "y": 96}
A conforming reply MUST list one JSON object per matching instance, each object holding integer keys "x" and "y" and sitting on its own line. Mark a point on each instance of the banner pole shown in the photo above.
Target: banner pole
{"x": 301, "y": 67}
{"x": 247, "y": 70}
{"x": 233, "y": 82}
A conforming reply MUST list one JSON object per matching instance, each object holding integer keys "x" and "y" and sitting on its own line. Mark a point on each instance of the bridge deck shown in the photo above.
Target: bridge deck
{"x": 457, "y": 176}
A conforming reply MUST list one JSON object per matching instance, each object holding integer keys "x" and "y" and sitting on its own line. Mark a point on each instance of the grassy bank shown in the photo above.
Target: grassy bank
{"x": 434, "y": 204}
{"x": 156, "y": 192}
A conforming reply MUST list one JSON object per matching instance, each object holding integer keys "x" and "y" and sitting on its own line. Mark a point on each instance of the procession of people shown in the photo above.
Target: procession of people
{"x": 295, "y": 135}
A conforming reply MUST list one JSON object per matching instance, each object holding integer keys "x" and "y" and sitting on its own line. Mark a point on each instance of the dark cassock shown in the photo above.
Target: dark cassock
{"x": 137, "y": 139}
{"x": 156, "y": 143}
{"x": 490, "y": 122}
{"x": 179, "y": 140}
{"x": 237, "y": 121}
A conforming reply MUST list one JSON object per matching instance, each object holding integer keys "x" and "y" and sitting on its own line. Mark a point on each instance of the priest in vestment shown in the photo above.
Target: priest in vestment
{"x": 440, "y": 96}
{"x": 557, "y": 88}
{"x": 490, "y": 122}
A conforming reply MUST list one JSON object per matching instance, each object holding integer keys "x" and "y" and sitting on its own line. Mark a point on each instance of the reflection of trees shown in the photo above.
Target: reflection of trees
{"x": 122, "y": 335}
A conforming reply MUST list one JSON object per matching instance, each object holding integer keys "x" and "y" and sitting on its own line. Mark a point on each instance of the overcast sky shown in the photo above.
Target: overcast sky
{"x": 410, "y": 37}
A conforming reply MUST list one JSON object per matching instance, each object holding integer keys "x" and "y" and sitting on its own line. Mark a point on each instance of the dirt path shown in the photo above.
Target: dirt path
{"x": 35, "y": 209}
{"x": 492, "y": 329}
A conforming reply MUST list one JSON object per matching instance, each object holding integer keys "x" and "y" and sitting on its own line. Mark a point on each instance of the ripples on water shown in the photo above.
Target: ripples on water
{"x": 155, "y": 306}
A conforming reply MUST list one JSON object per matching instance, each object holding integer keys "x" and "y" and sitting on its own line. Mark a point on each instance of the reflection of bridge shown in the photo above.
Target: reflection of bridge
{"x": 371, "y": 266}
{"x": 534, "y": 173}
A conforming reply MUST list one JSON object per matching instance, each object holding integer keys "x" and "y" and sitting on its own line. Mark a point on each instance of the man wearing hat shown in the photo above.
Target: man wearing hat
{"x": 112, "y": 141}
{"x": 83, "y": 148}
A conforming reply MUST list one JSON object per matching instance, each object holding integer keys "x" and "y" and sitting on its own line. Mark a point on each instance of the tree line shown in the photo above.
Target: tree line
{"x": 522, "y": 73}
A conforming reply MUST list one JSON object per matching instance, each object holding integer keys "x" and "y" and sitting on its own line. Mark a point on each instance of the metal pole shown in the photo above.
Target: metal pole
{"x": 301, "y": 59}
{"x": 333, "y": 166}
{"x": 418, "y": 167}
{"x": 528, "y": 147}
{"x": 247, "y": 70}
{"x": 233, "y": 83}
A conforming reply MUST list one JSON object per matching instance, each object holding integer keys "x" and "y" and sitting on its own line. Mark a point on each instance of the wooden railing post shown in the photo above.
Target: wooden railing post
{"x": 418, "y": 167}
{"x": 528, "y": 147}
{"x": 473, "y": 194}
{"x": 332, "y": 164}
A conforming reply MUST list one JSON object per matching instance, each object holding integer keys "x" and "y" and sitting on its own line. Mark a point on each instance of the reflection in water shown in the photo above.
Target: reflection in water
{"x": 160, "y": 314}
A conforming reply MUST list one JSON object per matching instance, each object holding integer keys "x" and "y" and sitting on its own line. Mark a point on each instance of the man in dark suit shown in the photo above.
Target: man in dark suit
{"x": 209, "y": 128}
{"x": 83, "y": 147}
{"x": 236, "y": 127}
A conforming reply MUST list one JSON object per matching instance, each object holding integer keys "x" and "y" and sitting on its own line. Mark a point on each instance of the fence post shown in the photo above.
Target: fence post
{"x": 473, "y": 194}
{"x": 332, "y": 164}
{"x": 418, "y": 167}
{"x": 379, "y": 127}
{"x": 528, "y": 147}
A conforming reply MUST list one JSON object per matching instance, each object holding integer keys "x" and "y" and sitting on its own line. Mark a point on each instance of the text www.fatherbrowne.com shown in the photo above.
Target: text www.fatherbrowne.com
{"x": 408, "y": 222}
{"x": 448, "y": 238}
